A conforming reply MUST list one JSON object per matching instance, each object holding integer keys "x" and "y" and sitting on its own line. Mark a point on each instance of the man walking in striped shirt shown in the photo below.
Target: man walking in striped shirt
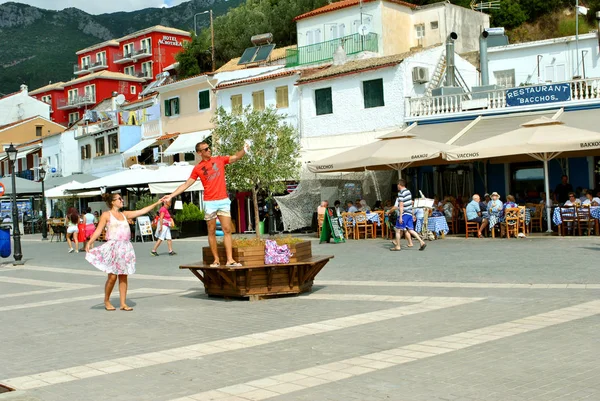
{"x": 405, "y": 219}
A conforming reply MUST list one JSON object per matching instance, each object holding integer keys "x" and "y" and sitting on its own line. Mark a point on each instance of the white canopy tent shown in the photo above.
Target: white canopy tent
{"x": 139, "y": 177}
{"x": 136, "y": 149}
{"x": 61, "y": 191}
{"x": 186, "y": 143}
{"x": 542, "y": 139}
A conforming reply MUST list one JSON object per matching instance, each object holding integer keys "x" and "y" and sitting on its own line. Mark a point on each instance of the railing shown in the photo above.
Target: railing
{"x": 143, "y": 52}
{"x": 323, "y": 51}
{"x": 143, "y": 74}
{"x": 74, "y": 102}
{"x": 151, "y": 129}
{"x": 98, "y": 65}
{"x": 581, "y": 90}
{"x": 78, "y": 69}
{"x": 123, "y": 57}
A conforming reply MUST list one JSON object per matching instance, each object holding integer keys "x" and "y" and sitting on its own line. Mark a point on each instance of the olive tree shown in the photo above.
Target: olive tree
{"x": 274, "y": 156}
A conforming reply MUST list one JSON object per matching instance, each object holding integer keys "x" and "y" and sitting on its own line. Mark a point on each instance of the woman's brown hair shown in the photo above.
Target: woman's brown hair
{"x": 108, "y": 199}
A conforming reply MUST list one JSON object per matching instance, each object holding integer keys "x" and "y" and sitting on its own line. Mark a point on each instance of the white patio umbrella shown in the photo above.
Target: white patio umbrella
{"x": 393, "y": 152}
{"x": 542, "y": 139}
{"x": 61, "y": 191}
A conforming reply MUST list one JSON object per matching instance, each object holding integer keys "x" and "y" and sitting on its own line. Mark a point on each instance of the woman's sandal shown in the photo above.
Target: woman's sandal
{"x": 126, "y": 308}
{"x": 110, "y": 309}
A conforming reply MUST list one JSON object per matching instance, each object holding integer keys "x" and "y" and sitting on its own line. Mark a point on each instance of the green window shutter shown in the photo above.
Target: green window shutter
{"x": 323, "y": 101}
{"x": 373, "y": 93}
{"x": 176, "y": 100}
{"x": 204, "y": 100}
{"x": 167, "y": 108}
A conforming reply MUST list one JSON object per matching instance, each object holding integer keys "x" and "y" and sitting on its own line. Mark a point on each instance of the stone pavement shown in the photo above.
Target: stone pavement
{"x": 470, "y": 320}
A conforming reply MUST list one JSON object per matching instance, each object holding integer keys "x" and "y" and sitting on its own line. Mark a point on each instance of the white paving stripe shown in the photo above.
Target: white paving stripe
{"x": 38, "y": 292}
{"x": 274, "y": 386}
{"x": 539, "y": 286}
{"x": 87, "y": 297}
{"x": 241, "y": 342}
{"x": 41, "y": 283}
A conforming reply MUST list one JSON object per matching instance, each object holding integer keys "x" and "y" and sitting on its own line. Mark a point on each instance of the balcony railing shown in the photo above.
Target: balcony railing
{"x": 123, "y": 57}
{"x": 98, "y": 65}
{"x": 323, "y": 51}
{"x": 81, "y": 69}
{"x": 581, "y": 90}
{"x": 141, "y": 53}
{"x": 143, "y": 74}
{"x": 75, "y": 102}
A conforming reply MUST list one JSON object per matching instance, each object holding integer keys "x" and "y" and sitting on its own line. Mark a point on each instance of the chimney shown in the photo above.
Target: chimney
{"x": 24, "y": 88}
{"x": 483, "y": 58}
{"x": 450, "y": 81}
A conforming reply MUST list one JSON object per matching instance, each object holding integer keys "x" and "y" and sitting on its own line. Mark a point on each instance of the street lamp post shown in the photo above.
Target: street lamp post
{"x": 44, "y": 218}
{"x": 212, "y": 35}
{"x": 18, "y": 255}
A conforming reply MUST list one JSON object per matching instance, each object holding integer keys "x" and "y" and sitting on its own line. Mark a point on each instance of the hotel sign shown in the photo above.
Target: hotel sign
{"x": 170, "y": 41}
{"x": 528, "y": 95}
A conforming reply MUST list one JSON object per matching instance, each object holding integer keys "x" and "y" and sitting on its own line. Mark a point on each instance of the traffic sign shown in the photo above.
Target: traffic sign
{"x": 2, "y": 189}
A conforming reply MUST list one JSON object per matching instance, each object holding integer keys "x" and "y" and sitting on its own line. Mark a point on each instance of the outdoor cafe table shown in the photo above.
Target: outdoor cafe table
{"x": 594, "y": 212}
{"x": 437, "y": 224}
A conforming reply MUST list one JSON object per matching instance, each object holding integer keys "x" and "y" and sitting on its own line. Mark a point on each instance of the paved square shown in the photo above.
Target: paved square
{"x": 465, "y": 320}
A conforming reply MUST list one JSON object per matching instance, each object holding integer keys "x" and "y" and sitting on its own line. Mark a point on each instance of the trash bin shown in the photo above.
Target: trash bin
{"x": 261, "y": 227}
{"x": 5, "y": 247}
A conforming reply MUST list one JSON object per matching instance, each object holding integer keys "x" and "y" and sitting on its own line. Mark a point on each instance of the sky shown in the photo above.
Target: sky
{"x": 99, "y": 7}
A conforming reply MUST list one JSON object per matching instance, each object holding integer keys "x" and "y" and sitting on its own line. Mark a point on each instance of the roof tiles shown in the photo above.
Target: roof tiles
{"x": 344, "y": 4}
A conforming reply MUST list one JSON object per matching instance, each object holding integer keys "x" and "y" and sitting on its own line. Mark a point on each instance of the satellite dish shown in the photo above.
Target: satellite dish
{"x": 364, "y": 30}
{"x": 120, "y": 99}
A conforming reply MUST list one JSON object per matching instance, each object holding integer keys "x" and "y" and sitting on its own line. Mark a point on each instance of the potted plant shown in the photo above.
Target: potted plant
{"x": 191, "y": 221}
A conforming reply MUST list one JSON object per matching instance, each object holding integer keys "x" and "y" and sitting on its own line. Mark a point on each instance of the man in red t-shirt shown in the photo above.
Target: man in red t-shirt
{"x": 211, "y": 171}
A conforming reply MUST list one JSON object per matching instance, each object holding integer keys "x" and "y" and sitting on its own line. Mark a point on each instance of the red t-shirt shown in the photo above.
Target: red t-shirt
{"x": 212, "y": 174}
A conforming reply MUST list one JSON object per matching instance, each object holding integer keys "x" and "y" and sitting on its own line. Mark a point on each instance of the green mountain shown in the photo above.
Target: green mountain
{"x": 39, "y": 45}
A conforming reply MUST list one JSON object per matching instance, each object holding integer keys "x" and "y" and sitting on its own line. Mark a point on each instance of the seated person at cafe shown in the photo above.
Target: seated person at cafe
{"x": 364, "y": 207}
{"x": 388, "y": 205}
{"x": 337, "y": 205}
{"x": 322, "y": 207}
{"x": 474, "y": 214}
{"x": 377, "y": 206}
{"x": 543, "y": 199}
{"x": 572, "y": 201}
{"x": 483, "y": 203}
{"x": 510, "y": 203}
{"x": 350, "y": 208}
{"x": 448, "y": 207}
{"x": 495, "y": 206}
{"x": 583, "y": 196}
{"x": 591, "y": 200}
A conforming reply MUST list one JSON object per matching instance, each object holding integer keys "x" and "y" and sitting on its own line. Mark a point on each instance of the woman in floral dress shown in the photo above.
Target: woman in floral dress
{"x": 116, "y": 257}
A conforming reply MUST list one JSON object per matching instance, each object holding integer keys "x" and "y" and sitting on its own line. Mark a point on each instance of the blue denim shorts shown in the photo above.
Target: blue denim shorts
{"x": 215, "y": 208}
{"x": 405, "y": 222}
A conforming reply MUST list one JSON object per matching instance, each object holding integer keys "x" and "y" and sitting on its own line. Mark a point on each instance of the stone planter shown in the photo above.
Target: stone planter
{"x": 254, "y": 255}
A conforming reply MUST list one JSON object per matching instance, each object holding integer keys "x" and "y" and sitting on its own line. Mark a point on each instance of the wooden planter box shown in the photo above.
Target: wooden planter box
{"x": 256, "y": 254}
{"x": 255, "y": 279}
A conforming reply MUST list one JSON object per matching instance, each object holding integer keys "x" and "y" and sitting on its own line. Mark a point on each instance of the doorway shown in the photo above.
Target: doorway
{"x": 527, "y": 181}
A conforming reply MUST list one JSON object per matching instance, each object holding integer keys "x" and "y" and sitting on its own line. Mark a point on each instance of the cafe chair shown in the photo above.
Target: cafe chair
{"x": 471, "y": 227}
{"x": 363, "y": 225}
{"x": 511, "y": 223}
{"x": 585, "y": 220}
{"x": 320, "y": 219}
{"x": 537, "y": 218}
{"x": 348, "y": 223}
{"x": 568, "y": 216}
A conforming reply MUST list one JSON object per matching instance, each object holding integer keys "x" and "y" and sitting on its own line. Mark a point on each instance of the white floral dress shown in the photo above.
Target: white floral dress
{"x": 116, "y": 256}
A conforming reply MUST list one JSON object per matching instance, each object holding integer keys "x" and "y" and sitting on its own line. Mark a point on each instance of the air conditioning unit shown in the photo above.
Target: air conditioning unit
{"x": 420, "y": 75}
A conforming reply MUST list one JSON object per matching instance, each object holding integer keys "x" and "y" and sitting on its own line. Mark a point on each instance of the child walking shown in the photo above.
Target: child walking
{"x": 116, "y": 257}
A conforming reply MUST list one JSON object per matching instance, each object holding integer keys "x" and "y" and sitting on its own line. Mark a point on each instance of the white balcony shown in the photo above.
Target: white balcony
{"x": 147, "y": 75}
{"x": 98, "y": 65}
{"x": 81, "y": 69}
{"x": 582, "y": 91}
{"x": 141, "y": 53}
{"x": 75, "y": 102}
{"x": 122, "y": 58}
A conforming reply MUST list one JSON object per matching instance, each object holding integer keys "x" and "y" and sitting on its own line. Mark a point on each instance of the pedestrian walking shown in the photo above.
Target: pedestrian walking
{"x": 90, "y": 227}
{"x": 405, "y": 218}
{"x": 116, "y": 257}
{"x": 72, "y": 230}
{"x": 163, "y": 229}
{"x": 211, "y": 171}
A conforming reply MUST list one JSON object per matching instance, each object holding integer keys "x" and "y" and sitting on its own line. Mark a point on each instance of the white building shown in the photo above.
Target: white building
{"x": 544, "y": 61}
{"x": 365, "y": 97}
{"x": 19, "y": 106}
{"x": 384, "y": 27}
{"x": 61, "y": 154}
{"x": 274, "y": 88}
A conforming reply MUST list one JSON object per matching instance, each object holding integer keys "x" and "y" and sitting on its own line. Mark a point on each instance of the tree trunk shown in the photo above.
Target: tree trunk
{"x": 256, "y": 214}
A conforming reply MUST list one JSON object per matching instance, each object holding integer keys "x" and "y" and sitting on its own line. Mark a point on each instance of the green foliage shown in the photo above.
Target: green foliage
{"x": 146, "y": 200}
{"x": 274, "y": 156}
{"x": 566, "y": 27}
{"x": 190, "y": 212}
{"x": 196, "y": 56}
{"x": 510, "y": 14}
